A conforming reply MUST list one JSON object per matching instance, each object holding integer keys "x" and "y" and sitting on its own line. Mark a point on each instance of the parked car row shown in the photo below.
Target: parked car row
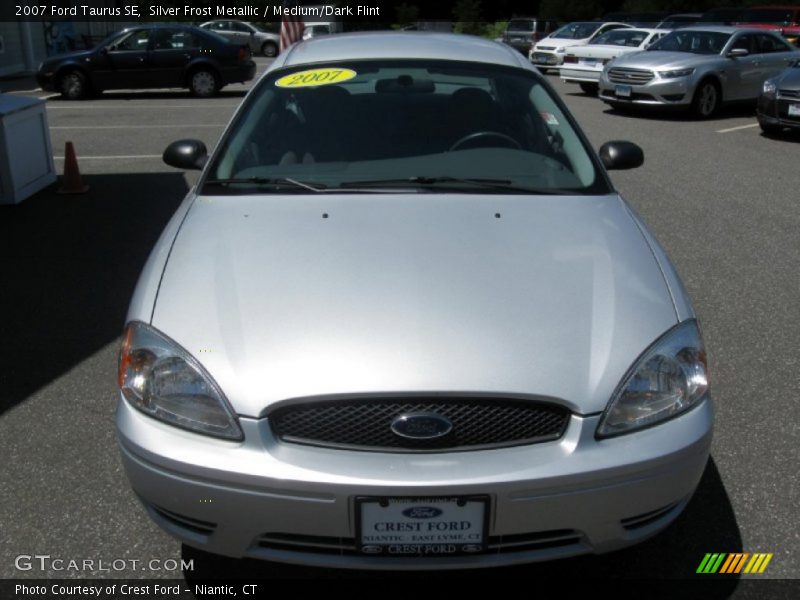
{"x": 696, "y": 68}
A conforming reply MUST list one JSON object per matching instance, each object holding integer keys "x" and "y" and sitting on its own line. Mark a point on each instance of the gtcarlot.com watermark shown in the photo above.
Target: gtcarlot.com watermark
{"x": 46, "y": 562}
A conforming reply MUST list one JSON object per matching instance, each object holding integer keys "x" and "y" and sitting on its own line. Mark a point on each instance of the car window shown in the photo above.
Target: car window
{"x": 219, "y": 26}
{"x": 632, "y": 38}
{"x": 462, "y": 120}
{"x": 134, "y": 41}
{"x": 694, "y": 41}
{"x": 174, "y": 39}
{"x": 240, "y": 27}
{"x": 520, "y": 25}
{"x": 770, "y": 43}
{"x": 745, "y": 42}
{"x": 606, "y": 28}
{"x": 576, "y": 31}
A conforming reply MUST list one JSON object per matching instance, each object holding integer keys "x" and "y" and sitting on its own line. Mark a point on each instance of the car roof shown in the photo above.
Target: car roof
{"x": 401, "y": 45}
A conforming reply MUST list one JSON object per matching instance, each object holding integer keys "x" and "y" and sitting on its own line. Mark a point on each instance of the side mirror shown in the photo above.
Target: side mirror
{"x": 617, "y": 155}
{"x": 738, "y": 53}
{"x": 186, "y": 154}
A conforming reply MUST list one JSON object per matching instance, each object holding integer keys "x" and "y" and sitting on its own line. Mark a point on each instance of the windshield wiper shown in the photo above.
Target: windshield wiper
{"x": 270, "y": 181}
{"x": 421, "y": 181}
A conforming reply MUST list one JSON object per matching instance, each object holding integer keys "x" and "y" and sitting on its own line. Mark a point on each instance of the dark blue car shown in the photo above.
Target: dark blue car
{"x": 150, "y": 56}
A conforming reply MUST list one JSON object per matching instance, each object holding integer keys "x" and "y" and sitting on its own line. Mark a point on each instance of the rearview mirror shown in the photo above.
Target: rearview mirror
{"x": 617, "y": 155}
{"x": 738, "y": 53}
{"x": 186, "y": 154}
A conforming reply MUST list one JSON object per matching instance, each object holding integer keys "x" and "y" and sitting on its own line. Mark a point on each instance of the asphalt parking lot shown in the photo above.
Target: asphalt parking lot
{"x": 721, "y": 197}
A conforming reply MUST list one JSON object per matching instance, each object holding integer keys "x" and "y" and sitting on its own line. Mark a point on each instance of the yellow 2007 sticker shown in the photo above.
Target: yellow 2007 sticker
{"x": 315, "y": 77}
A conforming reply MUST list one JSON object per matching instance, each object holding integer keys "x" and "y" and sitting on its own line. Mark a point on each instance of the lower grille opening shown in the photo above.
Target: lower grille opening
{"x": 522, "y": 542}
{"x": 193, "y": 525}
{"x": 645, "y": 519}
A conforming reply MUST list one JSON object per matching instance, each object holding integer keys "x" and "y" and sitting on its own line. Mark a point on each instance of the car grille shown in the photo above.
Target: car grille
{"x": 630, "y": 76}
{"x": 791, "y": 94}
{"x": 541, "y": 540}
{"x": 365, "y": 424}
{"x": 545, "y": 48}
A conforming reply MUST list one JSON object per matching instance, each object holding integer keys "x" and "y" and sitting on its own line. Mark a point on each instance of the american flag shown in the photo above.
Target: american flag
{"x": 292, "y": 27}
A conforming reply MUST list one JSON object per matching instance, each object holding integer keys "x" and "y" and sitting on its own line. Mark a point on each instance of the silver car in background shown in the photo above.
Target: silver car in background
{"x": 551, "y": 50}
{"x": 584, "y": 65}
{"x": 242, "y": 32}
{"x": 436, "y": 340}
{"x": 697, "y": 68}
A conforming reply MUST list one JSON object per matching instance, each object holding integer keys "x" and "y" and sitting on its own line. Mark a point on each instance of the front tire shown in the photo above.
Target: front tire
{"x": 269, "y": 49}
{"x": 204, "y": 83}
{"x": 74, "y": 86}
{"x": 707, "y": 99}
{"x": 590, "y": 89}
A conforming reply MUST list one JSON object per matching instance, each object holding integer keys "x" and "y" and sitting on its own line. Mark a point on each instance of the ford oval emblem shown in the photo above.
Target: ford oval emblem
{"x": 422, "y": 512}
{"x": 421, "y": 426}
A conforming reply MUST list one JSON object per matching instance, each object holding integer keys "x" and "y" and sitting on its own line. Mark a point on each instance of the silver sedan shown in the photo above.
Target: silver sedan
{"x": 405, "y": 321}
{"x": 242, "y": 32}
{"x": 697, "y": 68}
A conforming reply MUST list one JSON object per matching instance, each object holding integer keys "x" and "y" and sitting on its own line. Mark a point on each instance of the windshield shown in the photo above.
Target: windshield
{"x": 632, "y": 38}
{"x": 696, "y": 42}
{"x": 351, "y": 123}
{"x": 521, "y": 25}
{"x": 577, "y": 31}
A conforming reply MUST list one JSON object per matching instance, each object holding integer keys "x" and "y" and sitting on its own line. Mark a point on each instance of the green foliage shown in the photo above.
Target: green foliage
{"x": 467, "y": 14}
{"x": 494, "y": 30}
{"x": 406, "y": 14}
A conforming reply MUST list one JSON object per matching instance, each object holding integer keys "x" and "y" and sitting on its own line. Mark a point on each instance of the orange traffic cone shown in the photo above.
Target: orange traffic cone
{"x": 71, "y": 183}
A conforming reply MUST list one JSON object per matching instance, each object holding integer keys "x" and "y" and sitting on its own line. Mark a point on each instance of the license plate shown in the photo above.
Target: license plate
{"x": 623, "y": 91}
{"x": 588, "y": 61}
{"x": 421, "y": 526}
{"x": 794, "y": 110}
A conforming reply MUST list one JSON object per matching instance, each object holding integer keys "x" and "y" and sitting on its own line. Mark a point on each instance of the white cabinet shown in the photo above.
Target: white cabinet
{"x": 26, "y": 157}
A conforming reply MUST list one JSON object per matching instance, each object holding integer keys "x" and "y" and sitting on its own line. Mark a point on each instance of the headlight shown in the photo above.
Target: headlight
{"x": 675, "y": 74}
{"x": 769, "y": 88}
{"x": 162, "y": 380}
{"x": 561, "y": 50}
{"x": 667, "y": 380}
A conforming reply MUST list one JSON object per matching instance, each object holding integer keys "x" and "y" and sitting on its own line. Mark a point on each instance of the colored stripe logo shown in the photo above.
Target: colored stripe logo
{"x": 734, "y": 563}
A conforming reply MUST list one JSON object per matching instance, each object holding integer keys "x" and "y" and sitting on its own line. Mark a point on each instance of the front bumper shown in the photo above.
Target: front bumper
{"x": 46, "y": 81}
{"x": 658, "y": 92}
{"x": 264, "y": 499}
{"x": 775, "y": 111}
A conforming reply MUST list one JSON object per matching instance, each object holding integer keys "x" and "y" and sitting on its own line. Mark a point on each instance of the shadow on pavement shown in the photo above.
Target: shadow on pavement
{"x": 733, "y": 111}
{"x": 707, "y": 525}
{"x": 69, "y": 266}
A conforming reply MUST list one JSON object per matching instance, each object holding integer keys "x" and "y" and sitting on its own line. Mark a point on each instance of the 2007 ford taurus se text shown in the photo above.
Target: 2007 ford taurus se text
{"x": 405, "y": 321}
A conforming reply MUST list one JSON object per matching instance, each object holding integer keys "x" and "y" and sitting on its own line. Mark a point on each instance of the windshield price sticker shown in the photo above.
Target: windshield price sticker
{"x": 315, "y": 77}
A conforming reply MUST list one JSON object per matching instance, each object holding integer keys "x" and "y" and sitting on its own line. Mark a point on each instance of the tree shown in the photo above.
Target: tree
{"x": 467, "y": 14}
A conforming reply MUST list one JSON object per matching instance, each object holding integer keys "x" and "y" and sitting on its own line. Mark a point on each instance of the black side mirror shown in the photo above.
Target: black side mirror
{"x": 186, "y": 154}
{"x": 621, "y": 155}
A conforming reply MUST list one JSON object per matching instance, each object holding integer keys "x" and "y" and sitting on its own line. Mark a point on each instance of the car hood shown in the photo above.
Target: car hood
{"x": 790, "y": 79}
{"x": 413, "y": 293}
{"x": 658, "y": 59}
{"x": 561, "y": 42}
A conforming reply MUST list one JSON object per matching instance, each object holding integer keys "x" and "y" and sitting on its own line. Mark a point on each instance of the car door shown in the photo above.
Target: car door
{"x": 224, "y": 29}
{"x": 776, "y": 54}
{"x": 241, "y": 33}
{"x": 123, "y": 63}
{"x": 171, "y": 50}
{"x": 744, "y": 72}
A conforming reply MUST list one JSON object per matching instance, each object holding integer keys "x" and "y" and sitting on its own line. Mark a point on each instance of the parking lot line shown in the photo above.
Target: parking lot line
{"x": 115, "y": 157}
{"x": 190, "y": 125}
{"x": 737, "y": 128}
